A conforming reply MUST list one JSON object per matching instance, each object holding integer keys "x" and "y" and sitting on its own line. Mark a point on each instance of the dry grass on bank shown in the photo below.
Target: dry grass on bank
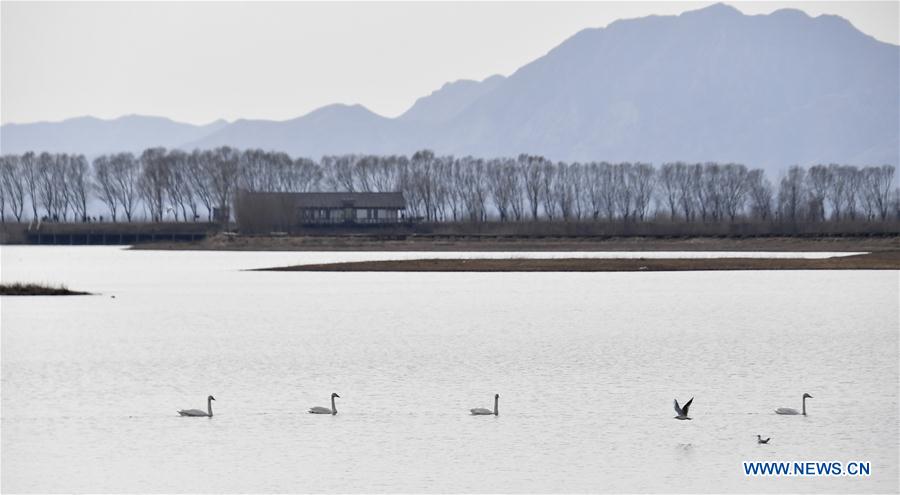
{"x": 26, "y": 289}
{"x": 888, "y": 260}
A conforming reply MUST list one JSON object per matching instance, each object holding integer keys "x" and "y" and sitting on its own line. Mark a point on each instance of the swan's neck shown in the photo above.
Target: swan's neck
{"x": 804, "y": 405}
{"x": 333, "y": 408}
{"x": 209, "y": 407}
{"x": 496, "y": 401}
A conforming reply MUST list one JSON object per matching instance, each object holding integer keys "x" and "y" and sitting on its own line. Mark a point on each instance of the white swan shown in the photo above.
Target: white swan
{"x": 199, "y": 412}
{"x": 480, "y": 411}
{"x": 790, "y": 411}
{"x": 325, "y": 410}
{"x": 682, "y": 412}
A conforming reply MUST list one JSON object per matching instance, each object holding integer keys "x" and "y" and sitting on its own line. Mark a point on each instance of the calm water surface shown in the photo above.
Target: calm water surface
{"x": 587, "y": 365}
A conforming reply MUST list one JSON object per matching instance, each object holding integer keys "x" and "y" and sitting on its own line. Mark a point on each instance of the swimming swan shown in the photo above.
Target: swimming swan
{"x": 760, "y": 439}
{"x": 325, "y": 410}
{"x": 789, "y": 411}
{"x": 682, "y": 412}
{"x": 480, "y": 411}
{"x": 198, "y": 412}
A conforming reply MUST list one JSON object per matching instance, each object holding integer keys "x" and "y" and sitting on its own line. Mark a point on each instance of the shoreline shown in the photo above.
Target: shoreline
{"x": 425, "y": 243}
{"x": 886, "y": 260}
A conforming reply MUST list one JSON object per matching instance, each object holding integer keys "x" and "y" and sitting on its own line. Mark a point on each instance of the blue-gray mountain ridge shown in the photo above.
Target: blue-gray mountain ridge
{"x": 711, "y": 84}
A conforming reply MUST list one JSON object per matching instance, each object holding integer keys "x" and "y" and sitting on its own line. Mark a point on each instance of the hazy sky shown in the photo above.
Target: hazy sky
{"x": 196, "y": 62}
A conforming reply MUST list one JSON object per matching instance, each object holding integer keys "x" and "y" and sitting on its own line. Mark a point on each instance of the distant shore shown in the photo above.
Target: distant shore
{"x": 529, "y": 243}
{"x": 887, "y": 260}
{"x": 20, "y": 289}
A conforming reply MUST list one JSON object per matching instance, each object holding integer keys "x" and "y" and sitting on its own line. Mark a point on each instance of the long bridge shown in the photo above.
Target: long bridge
{"x": 106, "y": 233}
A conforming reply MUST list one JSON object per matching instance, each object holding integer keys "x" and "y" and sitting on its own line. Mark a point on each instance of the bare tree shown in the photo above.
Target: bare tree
{"x": 516, "y": 189}
{"x": 548, "y": 186}
{"x": 255, "y": 171}
{"x": 14, "y": 184}
{"x": 734, "y": 185}
{"x": 422, "y": 172}
{"x": 578, "y": 176}
{"x": 49, "y": 182}
{"x": 531, "y": 169}
{"x": 592, "y": 189}
{"x": 836, "y": 191}
{"x": 879, "y": 184}
{"x": 367, "y": 168}
{"x": 642, "y": 180}
{"x": 155, "y": 178}
{"x": 760, "y": 190}
{"x": 708, "y": 194}
{"x": 340, "y": 172}
{"x": 126, "y": 173}
{"x": 222, "y": 171}
{"x": 609, "y": 189}
{"x": 853, "y": 179}
{"x": 474, "y": 191}
{"x": 31, "y": 172}
{"x": 105, "y": 184}
{"x": 668, "y": 190}
{"x": 453, "y": 174}
{"x": 792, "y": 195}
{"x": 385, "y": 173}
{"x": 66, "y": 196}
{"x": 79, "y": 185}
{"x": 178, "y": 187}
{"x": 819, "y": 181}
{"x": 445, "y": 173}
{"x": 564, "y": 190}
{"x": 502, "y": 182}
{"x": 624, "y": 194}
{"x": 689, "y": 181}
{"x": 3, "y": 192}
{"x": 199, "y": 163}
{"x": 301, "y": 175}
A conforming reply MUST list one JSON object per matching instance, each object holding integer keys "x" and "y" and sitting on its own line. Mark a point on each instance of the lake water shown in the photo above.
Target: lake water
{"x": 586, "y": 365}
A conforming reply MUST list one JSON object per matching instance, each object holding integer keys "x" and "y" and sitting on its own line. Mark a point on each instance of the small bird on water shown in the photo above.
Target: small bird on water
{"x": 199, "y": 412}
{"x": 683, "y": 411}
{"x": 761, "y": 440}
{"x": 325, "y": 410}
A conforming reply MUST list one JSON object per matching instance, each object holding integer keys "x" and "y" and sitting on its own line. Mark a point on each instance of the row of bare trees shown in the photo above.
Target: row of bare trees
{"x": 162, "y": 184}
{"x": 166, "y": 184}
{"x": 59, "y": 185}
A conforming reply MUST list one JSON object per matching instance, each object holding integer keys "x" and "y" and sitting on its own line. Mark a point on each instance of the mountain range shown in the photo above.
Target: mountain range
{"x": 711, "y": 84}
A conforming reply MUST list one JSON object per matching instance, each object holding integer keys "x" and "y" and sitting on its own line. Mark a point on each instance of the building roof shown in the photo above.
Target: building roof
{"x": 386, "y": 200}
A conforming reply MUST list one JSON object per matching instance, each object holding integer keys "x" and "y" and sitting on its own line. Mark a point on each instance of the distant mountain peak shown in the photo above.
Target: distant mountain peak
{"x": 792, "y": 13}
{"x": 343, "y": 112}
{"x": 717, "y": 9}
{"x": 341, "y": 108}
